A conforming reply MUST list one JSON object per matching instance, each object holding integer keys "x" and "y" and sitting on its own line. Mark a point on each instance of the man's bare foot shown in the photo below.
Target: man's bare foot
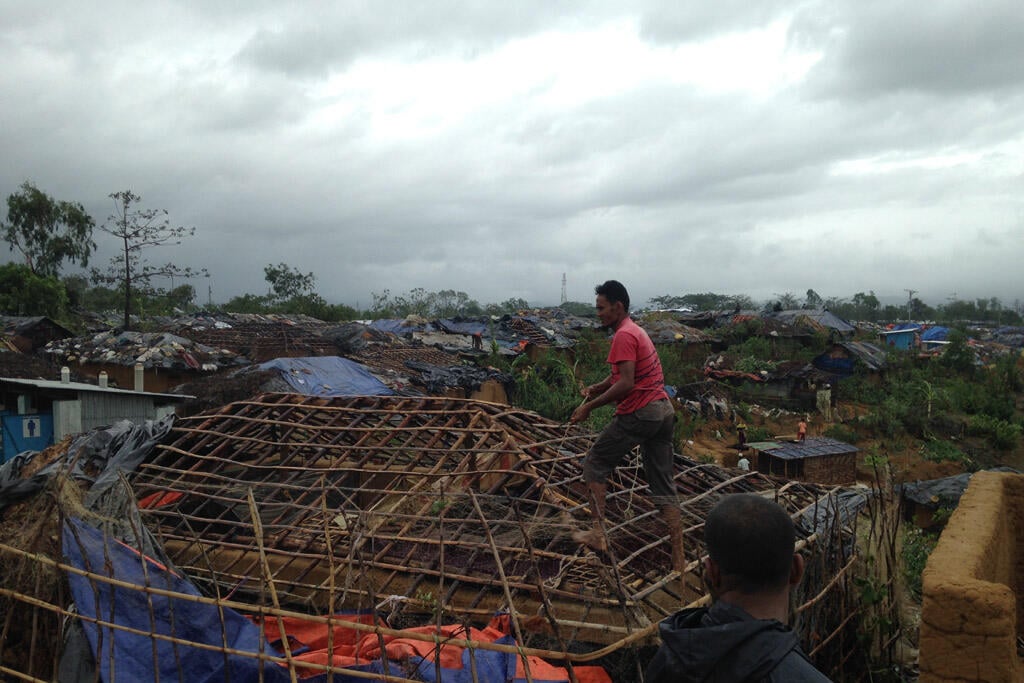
{"x": 593, "y": 539}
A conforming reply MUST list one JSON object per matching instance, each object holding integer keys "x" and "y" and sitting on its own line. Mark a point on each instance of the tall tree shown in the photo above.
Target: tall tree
{"x": 786, "y": 301}
{"x": 813, "y": 300}
{"x": 47, "y": 232}
{"x": 23, "y": 292}
{"x": 139, "y": 230}
{"x": 287, "y": 282}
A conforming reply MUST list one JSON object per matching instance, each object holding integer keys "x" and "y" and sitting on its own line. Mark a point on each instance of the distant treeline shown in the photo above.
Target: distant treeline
{"x": 860, "y": 306}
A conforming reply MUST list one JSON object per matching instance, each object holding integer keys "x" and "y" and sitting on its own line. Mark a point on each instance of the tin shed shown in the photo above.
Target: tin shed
{"x": 35, "y": 413}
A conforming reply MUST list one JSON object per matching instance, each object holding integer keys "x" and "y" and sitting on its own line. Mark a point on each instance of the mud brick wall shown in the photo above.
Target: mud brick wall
{"x": 831, "y": 469}
{"x": 973, "y": 598}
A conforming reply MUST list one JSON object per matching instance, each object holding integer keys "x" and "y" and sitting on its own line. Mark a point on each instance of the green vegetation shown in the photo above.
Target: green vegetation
{"x": 842, "y": 433}
{"x": 47, "y": 232}
{"x": 939, "y": 450}
{"x": 917, "y": 546}
{"x": 755, "y": 434}
{"x": 23, "y": 292}
{"x": 1001, "y": 435}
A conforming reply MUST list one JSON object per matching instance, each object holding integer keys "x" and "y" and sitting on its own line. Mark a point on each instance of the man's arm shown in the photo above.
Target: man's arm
{"x": 614, "y": 392}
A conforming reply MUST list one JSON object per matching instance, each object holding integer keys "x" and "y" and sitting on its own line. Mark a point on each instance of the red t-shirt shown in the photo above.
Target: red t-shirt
{"x": 632, "y": 343}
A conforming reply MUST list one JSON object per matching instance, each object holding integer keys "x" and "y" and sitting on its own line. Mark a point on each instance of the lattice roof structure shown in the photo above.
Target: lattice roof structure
{"x": 419, "y": 517}
{"x": 429, "y": 506}
{"x": 263, "y": 340}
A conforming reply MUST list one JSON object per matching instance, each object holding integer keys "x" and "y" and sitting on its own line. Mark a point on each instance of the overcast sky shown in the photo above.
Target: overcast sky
{"x": 489, "y": 147}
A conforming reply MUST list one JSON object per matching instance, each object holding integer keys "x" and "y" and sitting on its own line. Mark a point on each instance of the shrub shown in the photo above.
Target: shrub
{"x": 940, "y": 450}
{"x": 754, "y": 365}
{"x": 917, "y": 546}
{"x": 756, "y": 347}
{"x": 1001, "y": 435}
{"x": 842, "y": 433}
{"x": 755, "y": 434}
{"x": 887, "y": 418}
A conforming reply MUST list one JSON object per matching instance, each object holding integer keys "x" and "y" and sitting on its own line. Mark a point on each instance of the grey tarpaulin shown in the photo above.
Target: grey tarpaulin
{"x": 118, "y": 448}
{"x": 437, "y": 379}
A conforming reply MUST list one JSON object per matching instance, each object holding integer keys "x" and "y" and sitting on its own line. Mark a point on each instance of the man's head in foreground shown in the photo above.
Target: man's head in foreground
{"x": 612, "y": 303}
{"x": 750, "y": 542}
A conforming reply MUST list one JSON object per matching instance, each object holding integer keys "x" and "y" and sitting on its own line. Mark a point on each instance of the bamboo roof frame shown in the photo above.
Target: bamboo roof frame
{"x": 429, "y": 505}
{"x": 428, "y": 510}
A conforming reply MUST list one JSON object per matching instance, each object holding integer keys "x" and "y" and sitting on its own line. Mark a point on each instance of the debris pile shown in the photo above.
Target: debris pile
{"x": 151, "y": 349}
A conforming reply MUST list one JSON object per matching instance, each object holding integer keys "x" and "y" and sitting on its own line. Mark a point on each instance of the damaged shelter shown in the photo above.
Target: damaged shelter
{"x": 792, "y": 385}
{"x": 842, "y": 359}
{"x": 29, "y": 334}
{"x": 166, "y": 360}
{"x": 259, "y": 337}
{"x": 379, "y": 538}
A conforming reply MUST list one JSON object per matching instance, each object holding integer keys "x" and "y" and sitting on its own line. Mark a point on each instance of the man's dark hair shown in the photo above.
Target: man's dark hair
{"x": 751, "y": 539}
{"x": 614, "y": 291}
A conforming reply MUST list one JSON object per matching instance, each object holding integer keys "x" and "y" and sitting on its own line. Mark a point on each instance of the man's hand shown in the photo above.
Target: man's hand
{"x": 590, "y": 392}
{"x": 580, "y": 414}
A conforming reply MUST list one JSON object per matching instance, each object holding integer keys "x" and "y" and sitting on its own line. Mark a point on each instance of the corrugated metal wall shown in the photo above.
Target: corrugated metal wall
{"x": 99, "y": 410}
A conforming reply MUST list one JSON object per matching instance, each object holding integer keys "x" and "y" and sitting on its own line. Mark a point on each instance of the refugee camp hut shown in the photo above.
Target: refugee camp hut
{"x": 818, "y": 459}
{"x": 427, "y": 370}
{"x": 785, "y": 337}
{"x": 903, "y": 336}
{"x": 700, "y": 320}
{"x": 30, "y": 334}
{"x": 842, "y": 359}
{"x": 792, "y": 385}
{"x": 1009, "y": 336}
{"x": 302, "y": 530}
{"x": 35, "y": 413}
{"x": 823, "y": 318}
{"x": 28, "y": 366}
{"x": 673, "y": 337}
{"x": 154, "y": 361}
{"x": 261, "y": 338}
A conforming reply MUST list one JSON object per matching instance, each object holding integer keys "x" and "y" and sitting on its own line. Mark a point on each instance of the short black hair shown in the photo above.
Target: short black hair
{"x": 751, "y": 538}
{"x": 614, "y": 291}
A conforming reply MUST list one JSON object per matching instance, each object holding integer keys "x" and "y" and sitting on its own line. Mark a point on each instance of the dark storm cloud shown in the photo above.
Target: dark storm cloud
{"x": 241, "y": 121}
{"x": 937, "y": 48}
{"x": 312, "y": 44}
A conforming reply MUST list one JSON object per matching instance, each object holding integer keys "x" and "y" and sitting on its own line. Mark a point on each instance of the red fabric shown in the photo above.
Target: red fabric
{"x": 632, "y": 343}
{"x": 353, "y": 648}
{"x": 159, "y": 499}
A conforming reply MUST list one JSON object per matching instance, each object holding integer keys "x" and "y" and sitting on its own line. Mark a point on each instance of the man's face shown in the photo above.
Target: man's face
{"x": 608, "y": 313}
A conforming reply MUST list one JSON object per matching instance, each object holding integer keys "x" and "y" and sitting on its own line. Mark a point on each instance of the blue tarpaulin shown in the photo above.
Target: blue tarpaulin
{"x": 328, "y": 376}
{"x": 935, "y": 333}
{"x": 126, "y": 650}
{"x": 127, "y": 656}
{"x": 399, "y": 326}
{"x": 463, "y": 325}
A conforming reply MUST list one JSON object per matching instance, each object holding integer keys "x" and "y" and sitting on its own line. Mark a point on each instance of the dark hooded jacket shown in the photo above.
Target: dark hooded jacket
{"x": 724, "y": 644}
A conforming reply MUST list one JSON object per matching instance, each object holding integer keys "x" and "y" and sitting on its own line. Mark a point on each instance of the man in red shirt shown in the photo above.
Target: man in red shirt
{"x": 643, "y": 416}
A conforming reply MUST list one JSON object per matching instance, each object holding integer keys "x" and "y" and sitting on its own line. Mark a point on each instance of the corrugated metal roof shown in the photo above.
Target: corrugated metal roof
{"x": 82, "y": 386}
{"x": 813, "y": 447}
{"x": 870, "y": 354}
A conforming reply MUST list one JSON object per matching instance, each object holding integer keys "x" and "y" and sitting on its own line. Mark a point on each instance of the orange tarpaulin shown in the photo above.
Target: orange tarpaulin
{"x": 351, "y": 648}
